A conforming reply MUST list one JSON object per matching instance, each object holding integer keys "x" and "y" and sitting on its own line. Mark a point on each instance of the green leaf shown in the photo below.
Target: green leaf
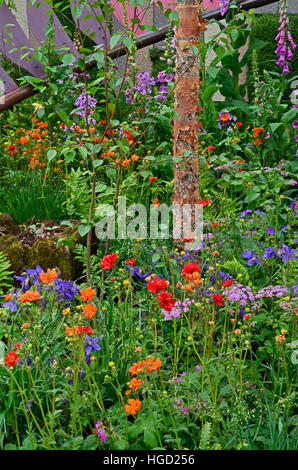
{"x": 68, "y": 59}
{"x": 129, "y": 43}
{"x": 150, "y": 438}
{"x": 97, "y": 163}
{"x": 51, "y": 154}
{"x": 84, "y": 229}
{"x": 120, "y": 444}
{"x": 114, "y": 40}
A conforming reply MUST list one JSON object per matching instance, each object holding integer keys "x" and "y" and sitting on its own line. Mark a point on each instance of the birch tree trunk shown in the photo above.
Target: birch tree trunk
{"x": 185, "y": 133}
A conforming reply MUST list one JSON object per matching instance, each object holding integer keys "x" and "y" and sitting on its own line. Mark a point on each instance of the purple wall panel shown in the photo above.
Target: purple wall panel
{"x": 92, "y": 24}
{"x": 18, "y": 40}
{"x": 38, "y": 21}
{"x": 9, "y": 84}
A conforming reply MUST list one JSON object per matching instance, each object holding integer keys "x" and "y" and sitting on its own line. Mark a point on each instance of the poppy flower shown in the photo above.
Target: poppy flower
{"x": 157, "y": 285}
{"x": 108, "y": 261}
{"x": 204, "y": 202}
{"x": 131, "y": 262}
{"x": 166, "y": 301}
{"x": 228, "y": 283}
{"x": 11, "y": 359}
{"x": 156, "y": 202}
{"x": 218, "y": 299}
{"x": 191, "y": 268}
{"x": 188, "y": 239}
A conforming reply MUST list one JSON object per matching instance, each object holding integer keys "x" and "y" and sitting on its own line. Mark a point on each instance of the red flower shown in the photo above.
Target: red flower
{"x": 166, "y": 301}
{"x": 17, "y": 345}
{"x": 189, "y": 239}
{"x": 240, "y": 170}
{"x": 12, "y": 149}
{"x": 218, "y": 299}
{"x": 11, "y": 359}
{"x": 191, "y": 268}
{"x": 239, "y": 124}
{"x": 131, "y": 262}
{"x": 215, "y": 224}
{"x": 108, "y": 261}
{"x": 228, "y": 283}
{"x": 157, "y": 285}
{"x": 211, "y": 147}
{"x": 204, "y": 202}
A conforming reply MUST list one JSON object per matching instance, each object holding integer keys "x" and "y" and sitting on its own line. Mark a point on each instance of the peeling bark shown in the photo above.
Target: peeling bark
{"x": 185, "y": 132}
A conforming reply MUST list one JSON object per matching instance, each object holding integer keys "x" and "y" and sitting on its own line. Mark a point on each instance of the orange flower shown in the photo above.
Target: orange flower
{"x": 135, "y": 157}
{"x": 88, "y": 294}
{"x": 24, "y": 326}
{"x": 90, "y": 310}
{"x": 152, "y": 179}
{"x": 147, "y": 365}
{"x": 7, "y": 297}
{"x": 138, "y": 349}
{"x": 29, "y": 296}
{"x": 42, "y": 124}
{"x": 135, "y": 383}
{"x": 48, "y": 277}
{"x": 225, "y": 117}
{"x": 127, "y": 392}
{"x": 133, "y": 406}
{"x": 156, "y": 202}
{"x": 126, "y": 162}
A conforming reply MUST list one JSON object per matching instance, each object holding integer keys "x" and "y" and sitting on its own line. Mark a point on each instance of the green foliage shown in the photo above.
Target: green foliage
{"x": 5, "y": 273}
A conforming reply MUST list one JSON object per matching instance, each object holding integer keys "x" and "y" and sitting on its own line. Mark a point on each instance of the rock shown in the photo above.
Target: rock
{"x": 7, "y": 225}
{"x": 47, "y": 255}
{"x": 16, "y": 253}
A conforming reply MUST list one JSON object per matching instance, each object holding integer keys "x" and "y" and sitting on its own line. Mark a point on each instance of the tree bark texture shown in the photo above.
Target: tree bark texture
{"x": 185, "y": 132}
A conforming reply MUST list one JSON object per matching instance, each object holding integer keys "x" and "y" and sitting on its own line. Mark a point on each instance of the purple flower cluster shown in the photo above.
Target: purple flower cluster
{"x": 285, "y": 45}
{"x": 178, "y": 308}
{"x": 240, "y": 293}
{"x": 91, "y": 346}
{"x": 271, "y": 291}
{"x": 100, "y": 432}
{"x": 224, "y": 6}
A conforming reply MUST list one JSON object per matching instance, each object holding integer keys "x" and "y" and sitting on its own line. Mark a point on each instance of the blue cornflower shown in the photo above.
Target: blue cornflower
{"x": 270, "y": 231}
{"x": 13, "y": 307}
{"x": 252, "y": 258}
{"x": 92, "y": 344}
{"x": 286, "y": 253}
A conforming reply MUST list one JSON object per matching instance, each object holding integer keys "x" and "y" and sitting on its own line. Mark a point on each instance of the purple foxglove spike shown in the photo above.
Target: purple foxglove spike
{"x": 277, "y": 37}
{"x": 292, "y": 45}
{"x": 289, "y": 36}
{"x": 282, "y": 34}
{"x": 286, "y": 69}
{"x": 290, "y": 54}
{"x": 283, "y": 50}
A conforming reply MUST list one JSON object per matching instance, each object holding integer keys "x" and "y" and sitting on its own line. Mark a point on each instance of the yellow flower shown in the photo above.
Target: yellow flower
{"x": 66, "y": 311}
{"x": 111, "y": 364}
